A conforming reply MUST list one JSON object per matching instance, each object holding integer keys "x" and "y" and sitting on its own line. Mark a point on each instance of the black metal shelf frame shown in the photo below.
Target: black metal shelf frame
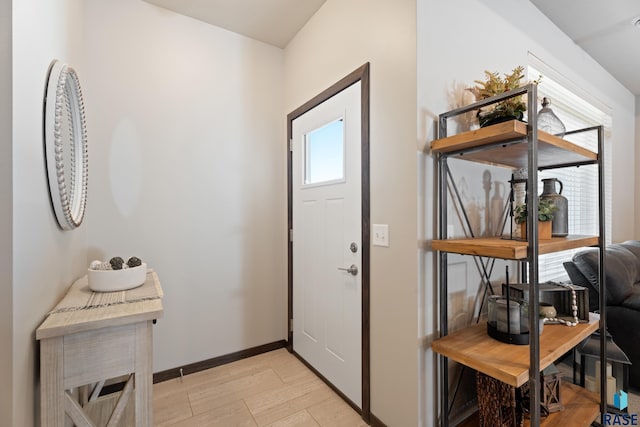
{"x": 443, "y": 174}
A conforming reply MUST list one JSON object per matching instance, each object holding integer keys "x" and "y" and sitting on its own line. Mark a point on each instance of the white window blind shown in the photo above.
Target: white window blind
{"x": 580, "y": 184}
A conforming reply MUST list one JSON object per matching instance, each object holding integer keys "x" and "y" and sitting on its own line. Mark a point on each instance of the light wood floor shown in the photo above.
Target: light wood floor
{"x": 271, "y": 389}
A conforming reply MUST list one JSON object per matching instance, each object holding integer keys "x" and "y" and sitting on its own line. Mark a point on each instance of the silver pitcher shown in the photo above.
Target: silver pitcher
{"x": 560, "y": 222}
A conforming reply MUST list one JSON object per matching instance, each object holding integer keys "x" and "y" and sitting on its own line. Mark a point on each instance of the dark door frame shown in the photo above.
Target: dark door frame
{"x": 360, "y": 75}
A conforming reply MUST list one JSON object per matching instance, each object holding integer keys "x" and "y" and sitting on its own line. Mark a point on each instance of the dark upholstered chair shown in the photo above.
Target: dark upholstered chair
{"x": 623, "y": 294}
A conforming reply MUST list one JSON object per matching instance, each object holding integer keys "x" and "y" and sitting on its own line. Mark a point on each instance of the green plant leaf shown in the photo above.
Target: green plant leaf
{"x": 546, "y": 208}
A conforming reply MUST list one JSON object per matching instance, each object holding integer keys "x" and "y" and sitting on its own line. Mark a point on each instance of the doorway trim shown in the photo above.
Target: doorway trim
{"x": 359, "y": 75}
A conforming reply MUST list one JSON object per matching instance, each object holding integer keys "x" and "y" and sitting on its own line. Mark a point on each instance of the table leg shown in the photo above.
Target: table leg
{"x": 144, "y": 375}
{"x": 52, "y": 382}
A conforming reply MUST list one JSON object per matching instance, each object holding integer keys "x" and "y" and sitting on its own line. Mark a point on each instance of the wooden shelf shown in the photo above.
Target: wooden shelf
{"x": 506, "y": 362}
{"x": 497, "y": 247}
{"x": 581, "y": 407}
{"x": 498, "y": 150}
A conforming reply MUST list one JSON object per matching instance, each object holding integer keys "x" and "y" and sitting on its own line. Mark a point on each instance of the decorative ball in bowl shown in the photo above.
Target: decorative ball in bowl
{"x": 117, "y": 280}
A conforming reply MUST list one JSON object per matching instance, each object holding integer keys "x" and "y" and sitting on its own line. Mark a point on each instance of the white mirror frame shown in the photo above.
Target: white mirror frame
{"x": 68, "y": 171}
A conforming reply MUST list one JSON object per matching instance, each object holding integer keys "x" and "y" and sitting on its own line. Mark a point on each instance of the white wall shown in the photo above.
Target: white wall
{"x": 45, "y": 259}
{"x": 340, "y": 37}
{"x": 457, "y": 41}
{"x": 188, "y": 168}
{"x": 6, "y": 224}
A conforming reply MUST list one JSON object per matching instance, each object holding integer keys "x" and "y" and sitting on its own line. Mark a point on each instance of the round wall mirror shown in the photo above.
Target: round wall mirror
{"x": 65, "y": 134}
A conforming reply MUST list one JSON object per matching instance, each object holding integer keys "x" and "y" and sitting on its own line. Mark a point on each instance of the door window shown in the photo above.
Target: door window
{"x": 324, "y": 154}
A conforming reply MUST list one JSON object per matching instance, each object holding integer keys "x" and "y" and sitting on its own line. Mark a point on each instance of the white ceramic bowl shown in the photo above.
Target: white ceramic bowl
{"x": 117, "y": 280}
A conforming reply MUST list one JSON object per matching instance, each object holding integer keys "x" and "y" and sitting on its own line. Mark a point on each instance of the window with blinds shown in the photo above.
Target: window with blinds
{"x": 581, "y": 183}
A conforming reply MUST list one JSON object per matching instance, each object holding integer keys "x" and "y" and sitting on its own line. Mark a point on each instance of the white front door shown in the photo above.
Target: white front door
{"x": 327, "y": 230}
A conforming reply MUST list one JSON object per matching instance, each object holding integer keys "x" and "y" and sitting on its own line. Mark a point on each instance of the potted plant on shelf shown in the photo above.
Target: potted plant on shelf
{"x": 546, "y": 208}
{"x": 494, "y": 84}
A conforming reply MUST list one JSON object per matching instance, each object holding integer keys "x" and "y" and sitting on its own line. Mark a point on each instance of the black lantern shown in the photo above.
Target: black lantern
{"x": 617, "y": 371}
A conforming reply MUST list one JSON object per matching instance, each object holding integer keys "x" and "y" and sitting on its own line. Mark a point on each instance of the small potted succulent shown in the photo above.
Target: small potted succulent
{"x": 546, "y": 208}
{"x": 494, "y": 84}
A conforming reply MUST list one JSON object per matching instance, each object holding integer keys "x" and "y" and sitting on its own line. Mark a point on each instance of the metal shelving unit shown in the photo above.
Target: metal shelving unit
{"x": 514, "y": 144}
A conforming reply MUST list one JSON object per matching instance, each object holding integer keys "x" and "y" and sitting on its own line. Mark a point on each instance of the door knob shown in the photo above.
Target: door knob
{"x": 353, "y": 269}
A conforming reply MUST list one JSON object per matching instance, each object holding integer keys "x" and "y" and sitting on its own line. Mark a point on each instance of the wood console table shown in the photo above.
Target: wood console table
{"x": 90, "y": 337}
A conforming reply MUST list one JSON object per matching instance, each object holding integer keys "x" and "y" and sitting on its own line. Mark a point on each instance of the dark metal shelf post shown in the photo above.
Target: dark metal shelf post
{"x": 442, "y": 275}
{"x": 532, "y": 255}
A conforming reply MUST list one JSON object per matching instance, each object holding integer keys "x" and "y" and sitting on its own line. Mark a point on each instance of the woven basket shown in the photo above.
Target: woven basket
{"x": 498, "y": 403}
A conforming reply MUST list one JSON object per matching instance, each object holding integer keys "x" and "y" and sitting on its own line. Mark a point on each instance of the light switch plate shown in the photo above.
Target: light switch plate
{"x": 380, "y": 235}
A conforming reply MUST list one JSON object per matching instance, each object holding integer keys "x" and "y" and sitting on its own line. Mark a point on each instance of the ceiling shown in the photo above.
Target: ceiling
{"x": 271, "y": 21}
{"x": 605, "y": 30}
